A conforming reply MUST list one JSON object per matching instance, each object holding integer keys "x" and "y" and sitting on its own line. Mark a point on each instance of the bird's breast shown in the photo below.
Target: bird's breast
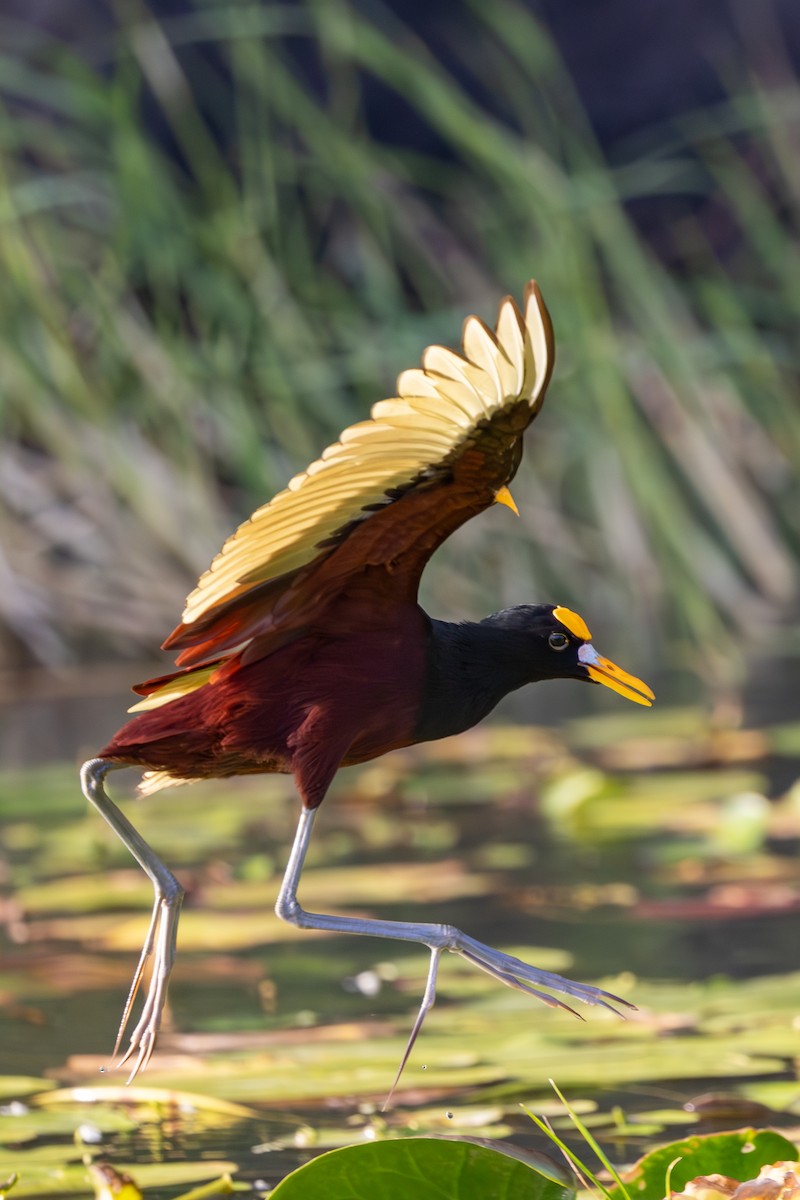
{"x": 375, "y": 687}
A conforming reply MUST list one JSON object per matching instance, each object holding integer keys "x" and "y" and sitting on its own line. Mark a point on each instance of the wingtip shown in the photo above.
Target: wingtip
{"x": 540, "y": 325}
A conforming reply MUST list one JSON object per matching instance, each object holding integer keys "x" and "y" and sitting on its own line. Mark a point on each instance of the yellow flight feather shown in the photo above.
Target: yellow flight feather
{"x": 437, "y": 408}
{"x": 182, "y": 685}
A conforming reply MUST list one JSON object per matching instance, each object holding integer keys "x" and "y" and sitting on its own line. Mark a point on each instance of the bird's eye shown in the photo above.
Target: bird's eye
{"x": 558, "y": 641}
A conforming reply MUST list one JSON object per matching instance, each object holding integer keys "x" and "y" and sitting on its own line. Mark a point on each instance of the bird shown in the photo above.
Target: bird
{"x": 303, "y": 648}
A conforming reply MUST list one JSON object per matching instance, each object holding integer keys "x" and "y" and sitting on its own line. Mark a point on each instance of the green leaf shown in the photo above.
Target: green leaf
{"x": 437, "y": 1168}
{"x": 739, "y": 1155}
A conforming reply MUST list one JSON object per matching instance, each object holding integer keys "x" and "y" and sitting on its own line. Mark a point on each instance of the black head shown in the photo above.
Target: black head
{"x": 553, "y": 642}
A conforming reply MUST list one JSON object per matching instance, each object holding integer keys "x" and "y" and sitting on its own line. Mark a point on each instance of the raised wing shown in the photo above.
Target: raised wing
{"x": 386, "y": 494}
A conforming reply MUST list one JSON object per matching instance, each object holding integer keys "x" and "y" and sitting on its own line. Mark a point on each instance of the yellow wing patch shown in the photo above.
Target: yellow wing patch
{"x": 571, "y": 621}
{"x": 437, "y": 408}
{"x": 181, "y": 685}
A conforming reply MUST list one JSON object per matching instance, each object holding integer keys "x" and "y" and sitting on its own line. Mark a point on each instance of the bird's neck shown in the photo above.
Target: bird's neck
{"x": 470, "y": 668}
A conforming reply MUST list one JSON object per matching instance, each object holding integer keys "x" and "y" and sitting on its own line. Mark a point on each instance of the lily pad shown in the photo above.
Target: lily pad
{"x": 738, "y": 1155}
{"x": 405, "y": 1170}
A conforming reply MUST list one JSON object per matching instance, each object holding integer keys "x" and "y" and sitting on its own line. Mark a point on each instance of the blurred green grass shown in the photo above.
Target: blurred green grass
{"x": 196, "y": 300}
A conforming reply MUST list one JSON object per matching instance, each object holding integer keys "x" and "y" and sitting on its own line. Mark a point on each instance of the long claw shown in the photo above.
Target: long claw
{"x": 514, "y": 973}
{"x": 428, "y": 1001}
{"x": 511, "y": 981}
{"x": 142, "y": 1059}
{"x": 160, "y": 946}
{"x": 147, "y": 950}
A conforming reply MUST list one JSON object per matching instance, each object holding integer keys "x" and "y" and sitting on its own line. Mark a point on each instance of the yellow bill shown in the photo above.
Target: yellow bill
{"x": 503, "y": 496}
{"x": 602, "y": 670}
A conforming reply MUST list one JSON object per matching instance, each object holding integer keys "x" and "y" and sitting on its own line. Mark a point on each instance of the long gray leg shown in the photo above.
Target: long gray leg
{"x": 160, "y": 941}
{"x": 504, "y": 967}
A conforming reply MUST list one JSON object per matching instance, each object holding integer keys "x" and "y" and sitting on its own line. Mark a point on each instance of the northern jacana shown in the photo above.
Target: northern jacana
{"x": 303, "y": 647}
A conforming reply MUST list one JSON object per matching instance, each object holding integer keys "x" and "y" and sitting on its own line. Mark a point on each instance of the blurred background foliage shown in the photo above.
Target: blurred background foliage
{"x": 225, "y": 226}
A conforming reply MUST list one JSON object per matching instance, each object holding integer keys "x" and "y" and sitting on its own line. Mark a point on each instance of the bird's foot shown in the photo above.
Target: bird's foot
{"x": 515, "y": 973}
{"x": 159, "y": 946}
{"x": 511, "y": 971}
